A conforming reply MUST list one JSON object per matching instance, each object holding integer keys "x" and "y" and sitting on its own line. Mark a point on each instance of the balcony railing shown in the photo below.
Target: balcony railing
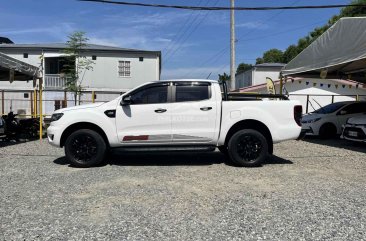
{"x": 54, "y": 81}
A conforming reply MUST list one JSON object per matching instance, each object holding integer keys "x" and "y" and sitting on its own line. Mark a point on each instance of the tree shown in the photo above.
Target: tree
{"x": 242, "y": 67}
{"x": 290, "y": 53}
{"x": 76, "y": 63}
{"x": 259, "y": 61}
{"x": 273, "y": 56}
{"x": 224, "y": 77}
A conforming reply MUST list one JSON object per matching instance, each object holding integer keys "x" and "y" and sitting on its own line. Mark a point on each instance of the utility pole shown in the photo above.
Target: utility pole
{"x": 232, "y": 45}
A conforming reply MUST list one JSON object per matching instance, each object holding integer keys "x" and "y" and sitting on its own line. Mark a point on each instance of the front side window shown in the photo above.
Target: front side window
{"x": 124, "y": 68}
{"x": 191, "y": 93}
{"x": 151, "y": 95}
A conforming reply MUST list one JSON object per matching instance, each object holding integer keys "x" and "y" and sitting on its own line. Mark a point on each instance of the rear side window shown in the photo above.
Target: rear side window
{"x": 152, "y": 95}
{"x": 355, "y": 108}
{"x": 192, "y": 93}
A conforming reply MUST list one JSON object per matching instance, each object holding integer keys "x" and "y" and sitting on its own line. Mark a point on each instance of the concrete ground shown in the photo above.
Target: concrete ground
{"x": 310, "y": 190}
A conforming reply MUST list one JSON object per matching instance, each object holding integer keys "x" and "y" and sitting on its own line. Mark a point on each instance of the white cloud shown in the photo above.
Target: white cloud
{"x": 252, "y": 25}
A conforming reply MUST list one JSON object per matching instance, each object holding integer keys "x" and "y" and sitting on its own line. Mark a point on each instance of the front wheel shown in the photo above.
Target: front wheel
{"x": 248, "y": 148}
{"x": 85, "y": 148}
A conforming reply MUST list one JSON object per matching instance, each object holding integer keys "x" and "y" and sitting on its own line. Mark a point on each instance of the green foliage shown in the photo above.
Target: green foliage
{"x": 76, "y": 63}
{"x": 242, "y": 67}
{"x": 290, "y": 53}
{"x": 273, "y": 56}
{"x": 224, "y": 77}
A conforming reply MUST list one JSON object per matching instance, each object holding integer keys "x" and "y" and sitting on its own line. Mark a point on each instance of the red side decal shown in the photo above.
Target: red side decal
{"x": 136, "y": 138}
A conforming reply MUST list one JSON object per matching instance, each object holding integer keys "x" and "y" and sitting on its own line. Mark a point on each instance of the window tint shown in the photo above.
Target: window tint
{"x": 152, "y": 95}
{"x": 191, "y": 93}
{"x": 330, "y": 108}
{"x": 355, "y": 108}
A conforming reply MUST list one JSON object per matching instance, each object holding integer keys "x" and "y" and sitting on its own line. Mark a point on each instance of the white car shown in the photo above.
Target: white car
{"x": 327, "y": 121}
{"x": 176, "y": 115}
{"x": 355, "y": 129}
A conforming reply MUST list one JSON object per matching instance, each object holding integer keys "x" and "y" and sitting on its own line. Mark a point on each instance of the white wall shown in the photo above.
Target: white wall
{"x": 260, "y": 75}
{"x": 104, "y": 75}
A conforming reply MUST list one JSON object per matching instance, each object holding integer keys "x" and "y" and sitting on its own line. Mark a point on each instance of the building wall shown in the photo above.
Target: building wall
{"x": 256, "y": 76}
{"x": 260, "y": 75}
{"x": 104, "y": 75}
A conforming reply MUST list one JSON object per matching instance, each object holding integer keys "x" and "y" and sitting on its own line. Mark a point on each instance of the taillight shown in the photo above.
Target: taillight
{"x": 298, "y": 114}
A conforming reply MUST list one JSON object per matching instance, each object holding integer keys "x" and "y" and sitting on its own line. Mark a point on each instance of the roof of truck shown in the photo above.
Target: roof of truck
{"x": 189, "y": 80}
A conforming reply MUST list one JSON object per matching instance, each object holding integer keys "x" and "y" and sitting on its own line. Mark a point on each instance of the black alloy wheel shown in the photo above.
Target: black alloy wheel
{"x": 248, "y": 148}
{"x": 85, "y": 148}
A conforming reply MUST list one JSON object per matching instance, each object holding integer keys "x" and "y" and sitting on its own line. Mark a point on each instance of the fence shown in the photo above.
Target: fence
{"x": 26, "y": 102}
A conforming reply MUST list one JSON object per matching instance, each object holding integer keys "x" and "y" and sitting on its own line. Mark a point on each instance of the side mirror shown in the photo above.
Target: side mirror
{"x": 126, "y": 100}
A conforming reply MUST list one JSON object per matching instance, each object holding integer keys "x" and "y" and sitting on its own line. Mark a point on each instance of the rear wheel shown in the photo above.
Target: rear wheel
{"x": 327, "y": 130}
{"x": 85, "y": 148}
{"x": 248, "y": 148}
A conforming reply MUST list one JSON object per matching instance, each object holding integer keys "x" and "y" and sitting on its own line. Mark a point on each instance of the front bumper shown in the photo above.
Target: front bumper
{"x": 54, "y": 135}
{"x": 354, "y": 133}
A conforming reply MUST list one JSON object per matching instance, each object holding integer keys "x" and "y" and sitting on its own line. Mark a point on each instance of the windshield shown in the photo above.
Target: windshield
{"x": 330, "y": 108}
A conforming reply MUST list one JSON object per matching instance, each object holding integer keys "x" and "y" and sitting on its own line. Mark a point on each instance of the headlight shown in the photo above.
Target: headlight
{"x": 56, "y": 116}
{"x": 311, "y": 121}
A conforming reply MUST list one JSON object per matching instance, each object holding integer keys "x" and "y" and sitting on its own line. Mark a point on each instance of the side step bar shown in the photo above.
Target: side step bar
{"x": 167, "y": 148}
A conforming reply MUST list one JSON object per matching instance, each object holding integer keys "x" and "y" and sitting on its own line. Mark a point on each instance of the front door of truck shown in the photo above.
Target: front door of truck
{"x": 146, "y": 118}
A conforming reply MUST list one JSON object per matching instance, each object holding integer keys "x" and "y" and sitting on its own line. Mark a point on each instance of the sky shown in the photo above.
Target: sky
{"x": 194, "y": 44}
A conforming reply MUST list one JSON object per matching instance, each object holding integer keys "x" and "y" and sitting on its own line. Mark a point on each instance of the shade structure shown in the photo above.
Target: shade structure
{"x": 340, "y": 53}
{"x": 13, "y": 69}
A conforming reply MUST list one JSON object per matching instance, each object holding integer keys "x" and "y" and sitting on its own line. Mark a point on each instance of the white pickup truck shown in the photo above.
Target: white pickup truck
{"x": 176, "y": 115}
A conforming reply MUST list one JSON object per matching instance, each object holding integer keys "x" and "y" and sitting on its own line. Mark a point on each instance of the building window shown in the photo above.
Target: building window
{"x": 25, "y": 55}
{"x": 26, "y": 95}
{"x": 124, "y": 68}
{"x": 141, "y": 59}
{"x": 94, "y": 57}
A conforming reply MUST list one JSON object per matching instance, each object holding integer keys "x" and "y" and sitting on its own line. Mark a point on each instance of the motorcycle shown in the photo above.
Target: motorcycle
{"x": 16, "y": 129}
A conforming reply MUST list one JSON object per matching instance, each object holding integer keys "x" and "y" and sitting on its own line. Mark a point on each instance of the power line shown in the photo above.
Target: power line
{"x": 184, "y": 27}
{"x": 221, "y": 52}
{"x": 189, "y": 34}
{"x": 200, "y": 8}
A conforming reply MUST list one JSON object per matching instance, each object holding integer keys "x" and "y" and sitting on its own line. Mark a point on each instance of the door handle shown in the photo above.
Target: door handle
{"x": 160, "y": 110}
{"x": 205, "y": 108}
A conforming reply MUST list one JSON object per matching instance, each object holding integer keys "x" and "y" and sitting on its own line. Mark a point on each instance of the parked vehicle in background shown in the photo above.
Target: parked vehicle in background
{"x": 327, "y": 121}
{"x": 16, "y": 129}
{"x": 176, "y": 115}
{"x": 2, "y": 127}
{"x": 355, "y": 129}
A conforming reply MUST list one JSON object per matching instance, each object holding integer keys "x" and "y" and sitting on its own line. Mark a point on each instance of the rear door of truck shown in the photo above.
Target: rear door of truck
{"x": 194, "y": 112}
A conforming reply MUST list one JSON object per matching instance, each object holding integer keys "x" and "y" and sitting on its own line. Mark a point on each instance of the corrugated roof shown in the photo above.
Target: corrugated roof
{"x": 270, "y": 65}
{"x": 61, "y": 46}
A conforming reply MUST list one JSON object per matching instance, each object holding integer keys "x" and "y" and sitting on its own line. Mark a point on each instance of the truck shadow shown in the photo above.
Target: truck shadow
{"x": 172, "y": 159}
{"x": 338, "y": 143}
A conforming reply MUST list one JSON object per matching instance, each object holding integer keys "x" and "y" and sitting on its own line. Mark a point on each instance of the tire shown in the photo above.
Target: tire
{"x": 85, "y": 148}
{"x": 248, "y": 148}
{"x": 327, "y": 131}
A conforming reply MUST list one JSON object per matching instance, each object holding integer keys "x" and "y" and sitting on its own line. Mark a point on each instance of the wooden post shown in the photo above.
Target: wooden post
{"x": 332, "y": 99}
{"x": 357, "y": 98}
{"x": 40, "y": 109}
{"x": 93, "y": 96}
{"x": 35, "y": 103}
{"x": 31, "y": 103}
{"x": 281, "y": 84}
{"x": 307, "y": 103}
{"x": 2, "y": 102}
{"x": 65, "y": 98}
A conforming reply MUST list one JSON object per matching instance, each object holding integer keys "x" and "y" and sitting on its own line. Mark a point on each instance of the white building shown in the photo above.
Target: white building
{"x": 115, "y": 70}
{"x": 313, "y": 93}
{"x": 258, "y": 74}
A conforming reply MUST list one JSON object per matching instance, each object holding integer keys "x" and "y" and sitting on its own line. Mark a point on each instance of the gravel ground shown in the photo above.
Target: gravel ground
{"x": 310, "y": 190}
